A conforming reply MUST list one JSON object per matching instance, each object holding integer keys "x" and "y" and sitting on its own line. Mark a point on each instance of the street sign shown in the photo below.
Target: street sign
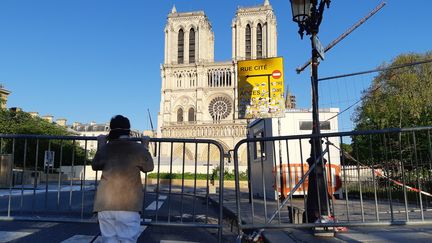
{"x": 276, "y": 74}
{"x": 261, "y": 88}
{"x": 318, "y": 47}
{"x": 49, "y": 158}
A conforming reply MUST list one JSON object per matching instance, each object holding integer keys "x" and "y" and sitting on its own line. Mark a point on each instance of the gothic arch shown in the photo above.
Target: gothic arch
{"x": 218, "y": 95}
{"x": 192, "y": 26}
{"x": 183, "y": 101}
{"x": 243, "y": 155}
{"x": 248, "y": 41}
{"x": 178, "y": 153}
{"x": 259, "y": 21}
{"x": 180, "y": 114}
{"x": 192, "y": 45}
{"x": 191, "y": 114}
{"x": 248, "y": 22}
{"x": 259, "y": 40}
{"x": 214, "y": 152}
{"x": 225, "y": 147}
{"x": 180, "y": 27}
{"x": 180, "y": 46}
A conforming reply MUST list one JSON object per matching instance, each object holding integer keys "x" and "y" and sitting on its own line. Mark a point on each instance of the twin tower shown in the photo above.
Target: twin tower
{"x": 189, "y": 38}
{"x": 199, "y": 95}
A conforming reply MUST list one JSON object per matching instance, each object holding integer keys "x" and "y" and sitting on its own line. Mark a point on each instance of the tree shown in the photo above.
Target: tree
{"x": 19, "y": 122}
{"x": 24, "y": 150}
{"x": 399, "y": 97}
{"x": 2, "y": 101}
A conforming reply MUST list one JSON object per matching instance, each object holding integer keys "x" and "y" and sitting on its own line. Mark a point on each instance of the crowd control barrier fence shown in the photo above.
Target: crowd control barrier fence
{"x": 49, "y": 178}
{"x": 379, "y": 177}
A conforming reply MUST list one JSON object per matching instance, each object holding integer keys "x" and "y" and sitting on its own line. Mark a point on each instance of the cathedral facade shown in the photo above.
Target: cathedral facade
{"x": 199, "y": 95}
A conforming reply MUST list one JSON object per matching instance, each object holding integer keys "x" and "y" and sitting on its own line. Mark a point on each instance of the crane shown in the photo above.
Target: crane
{"x": 151, "y": 122}
{"x": 345, "y": 34}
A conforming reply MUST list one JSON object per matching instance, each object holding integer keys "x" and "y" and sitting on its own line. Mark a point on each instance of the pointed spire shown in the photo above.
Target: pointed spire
{"x": 290, "y": 100}
{"x": 266, "y": 2}
{"x": 173, "y": 10}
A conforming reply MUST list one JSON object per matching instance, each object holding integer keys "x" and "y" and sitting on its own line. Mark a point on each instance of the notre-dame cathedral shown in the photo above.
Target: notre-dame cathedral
{"x": 199, "y": 95}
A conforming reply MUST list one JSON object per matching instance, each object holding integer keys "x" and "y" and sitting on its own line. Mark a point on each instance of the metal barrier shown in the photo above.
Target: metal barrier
{"x": 380, "y": 177}
{"x": 49, "y": 178}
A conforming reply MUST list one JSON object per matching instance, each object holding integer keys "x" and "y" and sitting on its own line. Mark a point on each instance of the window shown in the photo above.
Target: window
{"x": 191, "y": 115}
{"x": 180, "y": 115}
{"x": 259, "y": 41}
{"x": 248, "y": 42}
{"x": 179, "y": 81}
{"x": 219, "y": 77}
{"x": 259, "y": 146}
{"x": 191, "y": 46}
{"x": 180, "y": 47}
{"x": 219, "y": 108}
{"x": 307, "y": 125}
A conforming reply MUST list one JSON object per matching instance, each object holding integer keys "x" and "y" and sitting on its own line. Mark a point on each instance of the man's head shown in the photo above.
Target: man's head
{"x": 119, "y": 126}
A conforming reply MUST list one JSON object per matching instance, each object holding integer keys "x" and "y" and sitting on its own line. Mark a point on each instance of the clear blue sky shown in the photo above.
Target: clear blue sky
{"x": 89, "y": 60}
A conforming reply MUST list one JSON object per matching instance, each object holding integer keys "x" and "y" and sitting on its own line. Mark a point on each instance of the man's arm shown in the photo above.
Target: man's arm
{"x": 97, "y": 163}
{"x": 146, "y": 164}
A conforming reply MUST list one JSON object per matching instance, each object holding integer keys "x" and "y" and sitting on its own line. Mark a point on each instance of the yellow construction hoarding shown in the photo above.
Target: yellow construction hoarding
{"x": 261, "y": 88}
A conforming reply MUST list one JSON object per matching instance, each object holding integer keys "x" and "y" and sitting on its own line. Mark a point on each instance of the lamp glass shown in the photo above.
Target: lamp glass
{"x": 300, "y": 10}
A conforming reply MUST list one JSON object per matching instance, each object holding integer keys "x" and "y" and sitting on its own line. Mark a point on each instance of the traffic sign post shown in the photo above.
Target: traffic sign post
{"x": 276, "y": 74}
{"x": 318, "y": 47}
{"x": 49, "y": 158}
{"x": 259, "y": 97}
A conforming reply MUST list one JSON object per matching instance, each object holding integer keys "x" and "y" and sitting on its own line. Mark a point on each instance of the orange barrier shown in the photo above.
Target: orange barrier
{"x": 334, "y": 183}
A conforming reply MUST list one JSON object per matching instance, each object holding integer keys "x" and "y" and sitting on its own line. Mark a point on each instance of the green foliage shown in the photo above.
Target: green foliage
{"x": 23, "y": 123}
{"x": 399, "y": 97}
{"x": 190, "y": 176}
{"x": 347, "y": 148}
{"x": 186, "y": 176}
{"x": 230, "y": 176}
{"x": 2, "y": 102}
{"x": 27, "y": 150}
{"x": 383, "y": 191}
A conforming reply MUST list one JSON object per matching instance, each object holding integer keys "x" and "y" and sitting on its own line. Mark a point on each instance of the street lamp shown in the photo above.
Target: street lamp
{"x": 301, "y": 12}
{"x": 308, "y": 15}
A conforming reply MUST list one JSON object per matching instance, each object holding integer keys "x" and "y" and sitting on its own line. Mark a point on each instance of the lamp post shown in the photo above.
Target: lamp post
{"x": 308, "y": 14}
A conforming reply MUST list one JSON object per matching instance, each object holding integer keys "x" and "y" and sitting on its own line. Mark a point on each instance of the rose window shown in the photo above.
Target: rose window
{"x": 220, "y": 108}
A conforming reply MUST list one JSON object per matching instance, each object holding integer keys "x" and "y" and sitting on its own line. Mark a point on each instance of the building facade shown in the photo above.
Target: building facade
{"x": 3, "y": 97}
{"x": 91, "y": 129}
{"x": 199, "y": 95}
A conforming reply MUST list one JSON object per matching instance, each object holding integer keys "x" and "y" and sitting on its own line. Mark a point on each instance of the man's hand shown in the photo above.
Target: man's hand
{"x": 145, "y": 140}
{"x": 101, "y": 140}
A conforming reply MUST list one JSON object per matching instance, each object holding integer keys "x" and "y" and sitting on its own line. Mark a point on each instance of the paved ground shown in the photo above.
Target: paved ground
{"x": 354, "y": 234}
{"x": 397, "y": 234}
{"x": 23, "y": 232}
{"x": 181, "y": 209}
{"x": 71, "y": 203}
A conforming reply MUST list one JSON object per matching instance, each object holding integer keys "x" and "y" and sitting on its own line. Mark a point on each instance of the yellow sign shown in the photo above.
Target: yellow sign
{"x": 261, "y": 88}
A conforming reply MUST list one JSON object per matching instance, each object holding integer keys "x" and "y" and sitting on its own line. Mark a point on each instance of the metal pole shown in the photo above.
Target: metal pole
{"x": 316, "y": 200}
